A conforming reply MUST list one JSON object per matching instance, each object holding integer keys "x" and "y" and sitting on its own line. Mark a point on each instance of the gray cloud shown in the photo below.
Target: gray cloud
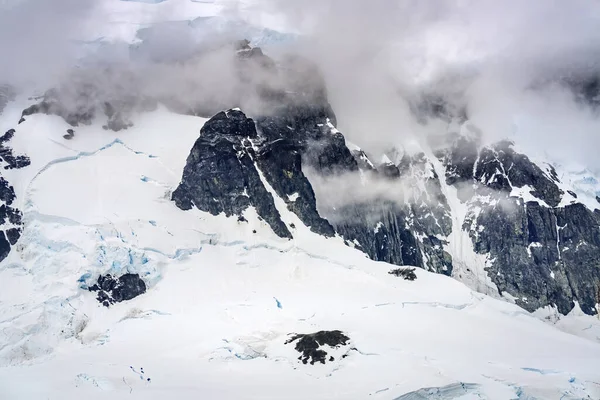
{"x": 37, "y": 38}
{"x": 499, "y": 60}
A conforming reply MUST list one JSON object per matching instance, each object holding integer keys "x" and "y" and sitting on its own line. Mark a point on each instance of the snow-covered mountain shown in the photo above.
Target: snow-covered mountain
{"x": 233, "y": 244}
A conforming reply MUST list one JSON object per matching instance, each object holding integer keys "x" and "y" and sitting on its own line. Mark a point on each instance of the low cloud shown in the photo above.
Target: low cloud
{"x": 510, "y": 65}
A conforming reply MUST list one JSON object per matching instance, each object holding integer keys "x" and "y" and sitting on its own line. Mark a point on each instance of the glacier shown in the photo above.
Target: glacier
{"x": 217, "y": 290}
{"x": 225, "y": 294}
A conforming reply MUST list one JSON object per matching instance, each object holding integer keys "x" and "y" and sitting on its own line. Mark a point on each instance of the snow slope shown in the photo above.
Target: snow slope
{"x": 222, "y": 300}
{"x": 224, "y": 296}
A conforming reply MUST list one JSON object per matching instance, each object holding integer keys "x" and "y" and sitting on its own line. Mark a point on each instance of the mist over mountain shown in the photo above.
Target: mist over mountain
{"x": 299, "y": 199}
{"x": 518, "y": 70}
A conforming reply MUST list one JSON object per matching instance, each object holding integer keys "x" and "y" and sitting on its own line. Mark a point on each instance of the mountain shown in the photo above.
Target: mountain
{"x": 236, "y": 245}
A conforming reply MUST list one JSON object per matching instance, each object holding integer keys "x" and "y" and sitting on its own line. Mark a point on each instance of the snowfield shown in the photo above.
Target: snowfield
{"x": 223, "y": 300}
{"x": 225, "y": 295}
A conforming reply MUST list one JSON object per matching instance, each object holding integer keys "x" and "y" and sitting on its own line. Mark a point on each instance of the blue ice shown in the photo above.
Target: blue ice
{"x": 541, "y": 371}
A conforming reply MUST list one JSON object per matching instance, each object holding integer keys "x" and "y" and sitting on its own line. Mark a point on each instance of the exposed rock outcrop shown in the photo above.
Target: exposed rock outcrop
{"x": 6, "y": 153}
{"x": 408, "y": 274}
{"x": 10, "y": 217}
{"x": 220, "y": 175}
{"x": 540, "y": 253}
{"x": 113, "y": 290}
{"x": 311, "y": 346}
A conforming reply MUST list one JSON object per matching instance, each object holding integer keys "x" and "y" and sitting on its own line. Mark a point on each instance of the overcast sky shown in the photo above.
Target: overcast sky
{"x": 492, "y": 51}
{"x": 373, "y": 50}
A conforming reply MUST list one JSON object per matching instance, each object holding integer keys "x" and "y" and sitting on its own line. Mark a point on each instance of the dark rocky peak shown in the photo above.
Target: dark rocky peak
{"x": 539, "y": 253}
{"x": 293, "y": 130}
{"x": 459, "y": 156}
{"x": 330, "y": 155}
{"x": 500, "y": 167}
{"x": 221, "y": 176}
{"x": 495, "y": 168}
{"x": 284, "y": 154}
{"x": 490, "y": 171}
{"x": 229, "y": 124}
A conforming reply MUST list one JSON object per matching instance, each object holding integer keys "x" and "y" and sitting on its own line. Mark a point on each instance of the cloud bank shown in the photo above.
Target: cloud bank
{"x": 512, "y": 65}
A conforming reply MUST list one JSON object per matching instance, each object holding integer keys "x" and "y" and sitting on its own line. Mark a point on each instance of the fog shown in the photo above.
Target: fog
{"x": 504, "y": 62}
{"x": 37, "y": 38}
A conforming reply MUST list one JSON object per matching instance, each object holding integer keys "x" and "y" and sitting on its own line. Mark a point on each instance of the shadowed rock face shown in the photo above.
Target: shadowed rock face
{"x": 404, "y": 231}
{"x": 293, "y": 133}
{"x": 220, "y": 175}
{"x": 10, "y": 217}
{"x": 223, "y": 171}
{"x": 540, "y": 253}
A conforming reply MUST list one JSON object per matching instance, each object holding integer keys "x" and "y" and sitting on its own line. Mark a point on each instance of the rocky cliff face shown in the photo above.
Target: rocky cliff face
{"x": 542, "y": 247}
{"x": 542, "y": 244}
{"x": 294, "y": 135}
{"x": 10, "y": 217}
{"x": 221, "y": 176}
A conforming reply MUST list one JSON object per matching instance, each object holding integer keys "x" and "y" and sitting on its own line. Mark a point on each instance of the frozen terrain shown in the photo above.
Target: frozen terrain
{"x": 226, "y": 295}
{"x": 222, "y": 300}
